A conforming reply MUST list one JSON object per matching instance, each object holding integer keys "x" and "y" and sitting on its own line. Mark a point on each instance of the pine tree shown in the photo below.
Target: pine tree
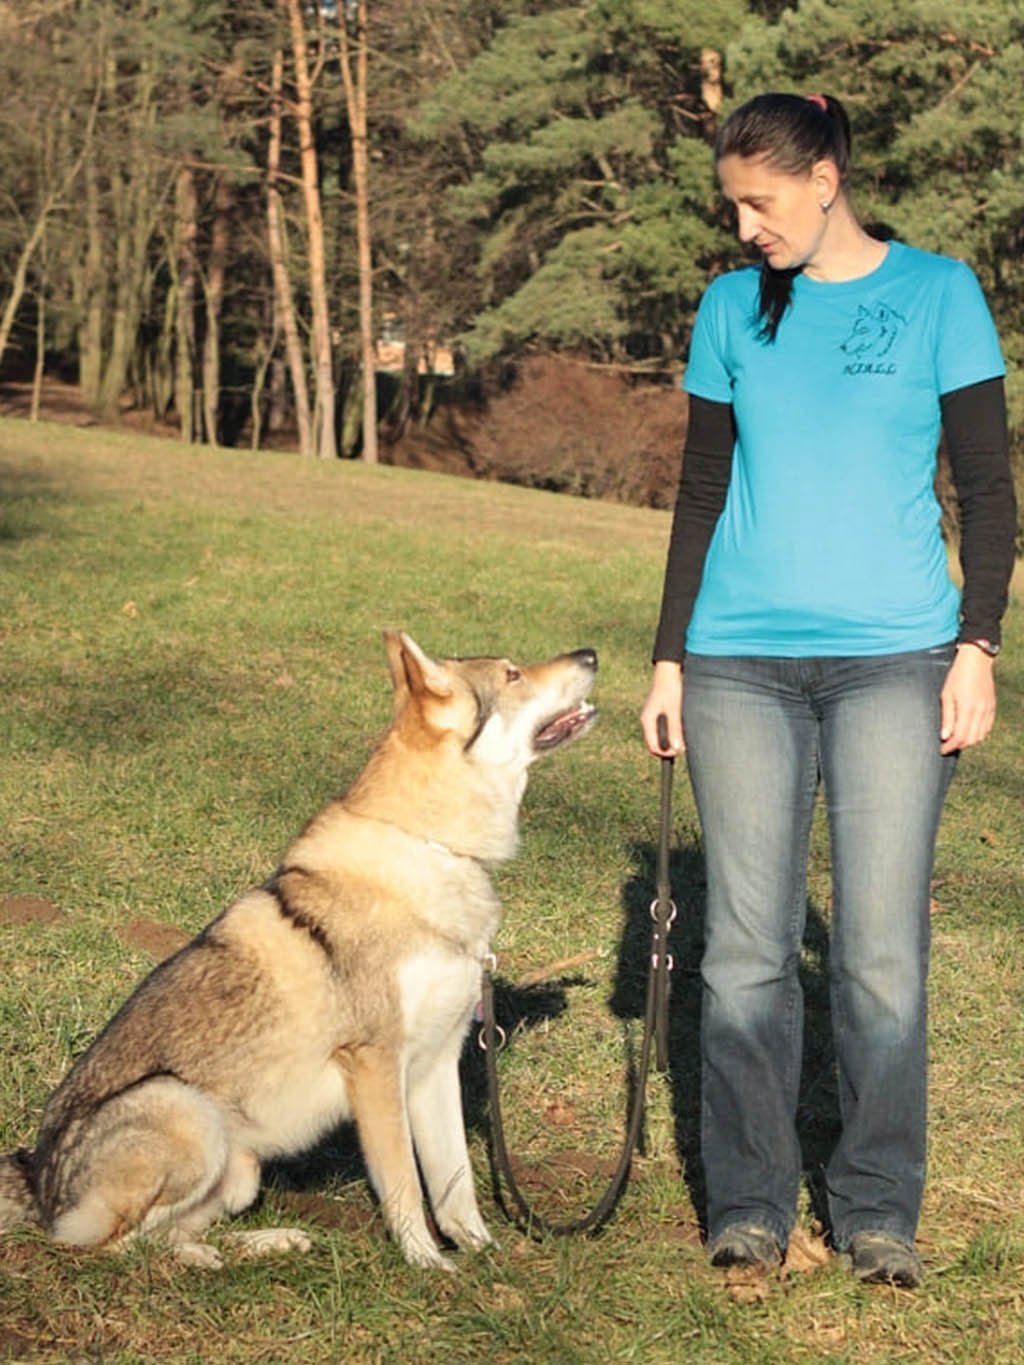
{"x": 592, "y": 192}
{"x": 935, "y": 93}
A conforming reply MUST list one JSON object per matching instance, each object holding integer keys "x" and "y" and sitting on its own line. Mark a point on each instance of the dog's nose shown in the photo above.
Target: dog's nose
{"x": 587, "y": 657}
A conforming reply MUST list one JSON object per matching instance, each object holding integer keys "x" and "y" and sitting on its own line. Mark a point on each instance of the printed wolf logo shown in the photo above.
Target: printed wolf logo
{"x": 874, "y": 332}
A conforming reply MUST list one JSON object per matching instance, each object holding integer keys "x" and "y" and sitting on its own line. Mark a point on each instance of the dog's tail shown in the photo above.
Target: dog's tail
{"x": 17, "y": 1200}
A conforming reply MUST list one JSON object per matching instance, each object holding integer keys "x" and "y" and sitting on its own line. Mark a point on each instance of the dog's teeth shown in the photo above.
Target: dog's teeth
{"x": 564, "y": 727}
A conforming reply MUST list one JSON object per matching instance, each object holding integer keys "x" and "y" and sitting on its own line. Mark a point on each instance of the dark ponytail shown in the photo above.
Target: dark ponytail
{"x": 792, "y": 132}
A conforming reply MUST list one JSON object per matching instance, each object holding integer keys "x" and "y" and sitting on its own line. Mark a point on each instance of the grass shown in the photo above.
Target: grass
{"x": 190, "y": 664}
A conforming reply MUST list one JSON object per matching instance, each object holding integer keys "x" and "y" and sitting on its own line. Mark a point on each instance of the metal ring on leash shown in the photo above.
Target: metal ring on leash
{"x": 656, "y": 907}
{"x": 663, "y": 911}
{"x": 499, "y": 1035}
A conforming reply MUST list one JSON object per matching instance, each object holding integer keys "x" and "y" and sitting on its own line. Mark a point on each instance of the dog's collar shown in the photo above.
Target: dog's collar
{"x": 447, "y": 849}
{"x": 443, "y": 848}
{"x": 423, "y": 839}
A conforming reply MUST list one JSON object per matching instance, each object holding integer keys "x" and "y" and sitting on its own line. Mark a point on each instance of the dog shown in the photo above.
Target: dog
{"x": 341, "y": 989}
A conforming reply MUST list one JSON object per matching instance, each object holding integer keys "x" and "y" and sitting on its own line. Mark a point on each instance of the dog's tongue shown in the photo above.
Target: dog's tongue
{"x": 562, "y": 727}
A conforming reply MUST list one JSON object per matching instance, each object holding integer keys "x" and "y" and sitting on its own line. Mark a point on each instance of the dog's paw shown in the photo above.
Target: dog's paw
{"x": 470, "y": 1235}
{"x": 459, "y": 1219}
{"x": 268, "y": 1242}
{"x": 198, "y": 1254}
{"x": 424, "y": 1253}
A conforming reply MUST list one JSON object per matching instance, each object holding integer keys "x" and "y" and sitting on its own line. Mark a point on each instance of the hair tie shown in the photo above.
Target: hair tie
{"x": 819, "y": 100}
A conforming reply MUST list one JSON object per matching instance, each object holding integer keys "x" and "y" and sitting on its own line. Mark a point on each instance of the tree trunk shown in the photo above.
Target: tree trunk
{"x": 93, "y": 291}
{"x": 325, "y": 437}
{"x": 40, "y": 365}
{"x": 36, "y": 236}
{"x": 264, "y": 354}
{"x": 136, "y": 203}
{"x": 277, "y": 388}
{"x": 356, "y": 102}
{"x": 711, "y": 78}
{"x": 215, "y": 276}
{"x": 407, "y": 400}
{"x": 124, "y": 318}
{"x": 185, "y": 247}
{"x": 161, "y": 382}
{"x": 283, "y": 301}
{"x": 20, "y": 276}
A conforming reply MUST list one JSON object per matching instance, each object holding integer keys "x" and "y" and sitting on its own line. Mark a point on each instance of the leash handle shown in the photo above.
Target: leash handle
{"x": 662, "y": 728}
{"x": 663, "y": 885}
{"x": 663, "y": 909}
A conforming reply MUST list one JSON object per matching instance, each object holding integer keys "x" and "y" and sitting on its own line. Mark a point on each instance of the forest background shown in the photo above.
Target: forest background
{"x": 456, "y": 234}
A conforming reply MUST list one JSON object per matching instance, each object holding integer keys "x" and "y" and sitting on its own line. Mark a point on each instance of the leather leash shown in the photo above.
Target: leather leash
{"x": 655, "y": 1037}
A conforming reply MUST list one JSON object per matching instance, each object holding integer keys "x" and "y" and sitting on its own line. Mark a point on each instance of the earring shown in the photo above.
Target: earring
{"x": 826, "y": 204}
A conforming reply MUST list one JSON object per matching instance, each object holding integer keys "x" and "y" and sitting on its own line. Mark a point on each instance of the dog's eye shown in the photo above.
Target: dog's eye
{"x": 512, "y": 674}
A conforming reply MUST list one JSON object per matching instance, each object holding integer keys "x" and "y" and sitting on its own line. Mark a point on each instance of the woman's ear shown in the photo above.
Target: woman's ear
{"x": 826, "y": 182}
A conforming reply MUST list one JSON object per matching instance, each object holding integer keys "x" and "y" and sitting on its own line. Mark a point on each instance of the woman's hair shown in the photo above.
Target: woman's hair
{"x": 793, "y": 133}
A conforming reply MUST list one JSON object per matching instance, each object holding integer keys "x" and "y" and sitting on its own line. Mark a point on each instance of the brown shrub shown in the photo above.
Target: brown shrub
{"x": 561, "y": 424}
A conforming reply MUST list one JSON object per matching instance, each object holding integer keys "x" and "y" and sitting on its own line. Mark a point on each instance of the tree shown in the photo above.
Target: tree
{"x": 592, "y": 187}
{"x": 355, "y": 83}
{"x": 325, "y": 440}
{"x": 185, "y": 207}
{"x": 284, "y": 304}
{"x": 424, "y": 282}
{"x": 184, "y": 256}
{"x": 935, "y": 94}
{"x": 46, "y": 140}
{"x": 213, "y": 290}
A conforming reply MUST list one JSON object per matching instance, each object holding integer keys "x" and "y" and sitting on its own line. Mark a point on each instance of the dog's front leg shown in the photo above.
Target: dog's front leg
{"x": 376, "y": 1092}
{"x": 439, "y": 1135}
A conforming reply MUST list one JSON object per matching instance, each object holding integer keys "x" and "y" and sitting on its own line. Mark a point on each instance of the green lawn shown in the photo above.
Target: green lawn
{"x": 190, "y": 662}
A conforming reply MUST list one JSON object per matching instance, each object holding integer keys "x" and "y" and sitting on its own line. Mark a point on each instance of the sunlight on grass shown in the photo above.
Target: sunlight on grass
{"x": 191, "y": 664}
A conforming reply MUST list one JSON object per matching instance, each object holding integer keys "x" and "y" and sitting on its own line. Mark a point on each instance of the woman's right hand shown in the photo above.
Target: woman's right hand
{"x": 665, "y": 698}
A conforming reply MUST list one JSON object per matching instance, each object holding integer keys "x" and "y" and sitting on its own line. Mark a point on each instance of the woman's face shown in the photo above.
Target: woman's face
{"x": 780, "y": 213}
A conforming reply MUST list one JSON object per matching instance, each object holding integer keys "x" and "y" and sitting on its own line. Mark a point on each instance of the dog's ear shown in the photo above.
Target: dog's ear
{"x": 413, "y": 673}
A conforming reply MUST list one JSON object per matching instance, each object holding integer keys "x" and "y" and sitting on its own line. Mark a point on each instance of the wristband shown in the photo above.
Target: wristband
{"x": 986, "y": 646}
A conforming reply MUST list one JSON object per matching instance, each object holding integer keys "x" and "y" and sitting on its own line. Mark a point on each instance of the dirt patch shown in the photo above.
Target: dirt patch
{"x": 556, "y": 1170}
{"x": 13, "y": 1346}
{"x": 684, "y": 1232}
{"x": 337, "y": 1215}
{"x": 807, "y": 1251}
{"x": 23, "y": 910}
{"x": 159, "y": 940}
{"x": 62, "y": 402}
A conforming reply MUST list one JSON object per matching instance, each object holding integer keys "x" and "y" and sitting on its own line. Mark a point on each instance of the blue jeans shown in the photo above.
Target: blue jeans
{"x": 760, "y": 733}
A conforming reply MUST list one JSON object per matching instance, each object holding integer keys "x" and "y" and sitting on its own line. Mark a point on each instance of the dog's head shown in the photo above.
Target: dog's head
{"x": 502, "y": 714}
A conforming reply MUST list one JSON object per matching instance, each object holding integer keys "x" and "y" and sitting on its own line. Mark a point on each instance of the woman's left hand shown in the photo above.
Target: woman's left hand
{"x": 968, "y": 700}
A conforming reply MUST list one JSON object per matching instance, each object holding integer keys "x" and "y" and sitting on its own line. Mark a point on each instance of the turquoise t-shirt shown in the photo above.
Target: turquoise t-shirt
{"x": 829, "y": 542}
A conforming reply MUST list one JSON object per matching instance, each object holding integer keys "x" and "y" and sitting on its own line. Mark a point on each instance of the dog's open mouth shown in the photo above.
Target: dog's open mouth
{"x": 563, "y": 727}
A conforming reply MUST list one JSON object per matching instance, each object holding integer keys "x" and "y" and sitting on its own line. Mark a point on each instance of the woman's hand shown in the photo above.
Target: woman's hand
{"x": 968, "y": 700}
{"x": 664, "y": 699}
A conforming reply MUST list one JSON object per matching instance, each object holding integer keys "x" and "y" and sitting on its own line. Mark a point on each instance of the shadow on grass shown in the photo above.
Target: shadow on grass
{"x": 26, "y": 495}
{"x": 817, "y": 1107}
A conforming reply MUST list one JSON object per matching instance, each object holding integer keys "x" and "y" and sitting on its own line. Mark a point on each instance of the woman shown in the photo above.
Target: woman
{"x": 809, "y": 607}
